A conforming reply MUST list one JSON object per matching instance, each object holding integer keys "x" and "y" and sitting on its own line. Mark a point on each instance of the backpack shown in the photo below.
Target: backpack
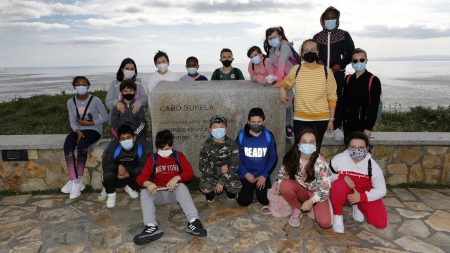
{"x": 155, "y": 158}
{"x": 380, "y": 105}
{"x": 119, "y": 148}
{"x": 236, "y": 73}
{"x": 369, "y": 168}
{"x": 85, "y": 109}
{"x": 295, "y": 59}
{"x": 278, "y": 206}
{"x": 268, "y": 138}
{"x": 264, "y": 63}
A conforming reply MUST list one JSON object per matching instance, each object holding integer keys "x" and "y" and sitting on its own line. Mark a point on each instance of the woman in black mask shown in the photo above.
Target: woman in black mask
{"x": 315, "y": 92}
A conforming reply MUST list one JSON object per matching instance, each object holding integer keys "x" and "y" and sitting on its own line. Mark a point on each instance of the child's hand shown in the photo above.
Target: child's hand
{"x": 224, "y": 169}
{"x": 120, "y": 106}
{"x": 307, "y": 205}
{"x": 349, "y": 182}
{"x": 260, "y": 182}
{"x": 354, "y": 198}
{"x": 283, "y": 98}
{"x": 135, "y": 109}
{"x": 250, "y": 178}
{"x": 80, "y": 135}
{"x": 219, "y": 189}
{"x": 173, "y": 182}
{"x": 253, "y": 78}
{"x": 85, "y": 122}
{"x": 152, "y": 188}
{"x": 276, "y": 85}
{"x": 122, "y": 173}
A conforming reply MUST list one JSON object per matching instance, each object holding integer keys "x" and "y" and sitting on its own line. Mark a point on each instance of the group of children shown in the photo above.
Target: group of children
{"x": 239, "y": 167}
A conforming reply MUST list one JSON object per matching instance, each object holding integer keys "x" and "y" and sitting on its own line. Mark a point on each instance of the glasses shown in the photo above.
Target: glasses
{"x": 360, "y": 60}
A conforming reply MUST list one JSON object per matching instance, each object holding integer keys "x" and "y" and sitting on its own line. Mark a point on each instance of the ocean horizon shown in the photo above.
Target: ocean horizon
{"x": 404, "y": 83}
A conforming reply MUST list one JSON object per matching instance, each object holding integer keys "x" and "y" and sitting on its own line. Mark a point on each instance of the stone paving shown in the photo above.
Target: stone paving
{"x": 419, "y": 221}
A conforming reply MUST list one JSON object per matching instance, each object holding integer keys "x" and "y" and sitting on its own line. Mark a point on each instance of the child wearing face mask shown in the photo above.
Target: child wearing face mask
{"x": 84, "y": 115}
{"x": 192, "y": 68}
{"x": 359, "y": 181}
{"x": 259, "y": 65}
{"x": 122, "y": 166}
{"x": 257, "y": 158}
{"x": 163, "y": 179}
{"x": 127, "y": 70}
{"x": 219, "y": 158}
{"x": 282, "y": 59}
{"x": 161, "y": 60}
{"x": 227, "y": 72}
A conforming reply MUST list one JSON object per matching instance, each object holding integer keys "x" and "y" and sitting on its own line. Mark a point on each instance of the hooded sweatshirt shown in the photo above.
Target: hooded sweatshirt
{"x": 335, "y": 46}
{"x": 279, "y": 59}
{"x": 370, "y": 188}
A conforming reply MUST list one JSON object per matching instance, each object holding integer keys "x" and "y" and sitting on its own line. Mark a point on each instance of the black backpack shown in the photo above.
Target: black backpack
{"x": 236, "y": 73}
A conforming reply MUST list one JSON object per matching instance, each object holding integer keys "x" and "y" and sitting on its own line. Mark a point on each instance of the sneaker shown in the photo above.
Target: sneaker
{"x": 74, "y": 191}
{"x": 296, "y": 215}
{"x": 289, "y": 132}
{"x": 338, "y": 224}
{"x": 338, "y": 135}
{"x": 66, "y": 188}
{"x": 133, "y": 194}
{"x": 210, "y": 197}
{"x": 82, "y": 186}
{"x": 150, "y": 234}
{"x": 111, "y": 202}
{"x": 103, "y": 196}
{"x": 357, "y": 215}
{"x": 311, "y": 214}
{"x": 196, "y": 228}
{"x": 230, "y": 195}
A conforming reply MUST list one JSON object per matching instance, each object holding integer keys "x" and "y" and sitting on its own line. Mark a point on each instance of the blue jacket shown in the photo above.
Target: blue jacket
{"x": 256, "y": 156}
{"x": 340, "y": 44}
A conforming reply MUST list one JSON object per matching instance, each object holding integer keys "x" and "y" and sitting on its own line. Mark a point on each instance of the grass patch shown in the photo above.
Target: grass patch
{"x": 419, "y": 185}
{"x": 88, "y": 189}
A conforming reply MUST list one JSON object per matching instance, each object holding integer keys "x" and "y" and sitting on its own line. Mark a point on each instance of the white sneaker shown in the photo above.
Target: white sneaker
{"x": 82, "y": 186}
{"x": 357, "y": 215}
{"x": 75, "y": 191}
{"x": 66, "y": 188}
{"x": 338, "y": 135}
{"x": 133, "y": 194}
{"x": 111, "y": 202}
{"x": 338, "y": 224}
{"x": 103, "y": 196}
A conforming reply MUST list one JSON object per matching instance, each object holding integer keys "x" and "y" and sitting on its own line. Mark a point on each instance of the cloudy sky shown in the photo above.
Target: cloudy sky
{"x": 103, "y": 32}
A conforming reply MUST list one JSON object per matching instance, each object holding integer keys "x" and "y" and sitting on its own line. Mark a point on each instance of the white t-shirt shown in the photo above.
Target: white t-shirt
{"x": 156, "y": 77}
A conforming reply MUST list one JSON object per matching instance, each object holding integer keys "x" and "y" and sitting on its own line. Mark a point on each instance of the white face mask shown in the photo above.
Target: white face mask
{"x": 162, "y": 67}
{"x": 128, "y": 73}
{"x": 165, "y": 153}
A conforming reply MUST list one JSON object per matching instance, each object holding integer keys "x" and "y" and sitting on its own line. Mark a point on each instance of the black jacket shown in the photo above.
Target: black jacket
{"x": 355, "y": 100}
{"x": 129, "y": 159}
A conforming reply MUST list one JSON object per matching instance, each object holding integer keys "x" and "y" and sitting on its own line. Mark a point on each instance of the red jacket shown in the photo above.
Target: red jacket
{"x": 166, "y": 169}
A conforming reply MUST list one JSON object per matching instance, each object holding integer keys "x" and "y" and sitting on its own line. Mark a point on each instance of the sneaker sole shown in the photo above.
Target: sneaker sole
{"x": 102, "y": 198}
{"x": 196, "y": 234}
{"x": 295, "y": 226}
{"x": 141, "y": 240}
{"x": 339, "y": 232}
{"x": 66, "y": 192}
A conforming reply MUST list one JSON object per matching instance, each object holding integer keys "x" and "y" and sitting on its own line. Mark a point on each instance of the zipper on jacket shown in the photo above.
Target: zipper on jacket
{"x": 359, "y": 114}
{"x": 328, "y": 55}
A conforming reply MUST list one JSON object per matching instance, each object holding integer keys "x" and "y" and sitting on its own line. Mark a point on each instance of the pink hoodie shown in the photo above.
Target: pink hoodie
{"x": 261, "y": 70}
{"x": 279, "y": 60}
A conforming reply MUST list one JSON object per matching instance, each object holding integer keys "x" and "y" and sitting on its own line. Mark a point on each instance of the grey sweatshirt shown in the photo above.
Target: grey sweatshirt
{"x": 96, "y": 109}
{"x": 113, "y": 95}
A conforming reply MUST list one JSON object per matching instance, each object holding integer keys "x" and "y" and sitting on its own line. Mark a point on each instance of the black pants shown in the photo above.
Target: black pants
{"x": 245, "y": 196}
{"x": 351, "y": 127}
{"x": 319, "y": 126}
{"x": 340, "y": 82}
{"x": 111, "y": 182}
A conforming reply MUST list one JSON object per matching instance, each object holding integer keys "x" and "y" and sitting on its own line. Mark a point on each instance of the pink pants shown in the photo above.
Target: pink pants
{"x": 374, "y": 211}
{"x": 293, "y": 192}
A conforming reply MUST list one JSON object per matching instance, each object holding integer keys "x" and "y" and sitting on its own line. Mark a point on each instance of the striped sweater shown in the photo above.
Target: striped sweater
{"x": 314, "y": 93}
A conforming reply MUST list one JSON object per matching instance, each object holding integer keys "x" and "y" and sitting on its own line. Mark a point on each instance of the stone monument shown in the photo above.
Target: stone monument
{"x": 185, "y": 108}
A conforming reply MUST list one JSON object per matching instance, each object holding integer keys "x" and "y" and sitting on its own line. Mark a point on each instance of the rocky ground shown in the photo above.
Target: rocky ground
{"x": 419, "y": 221}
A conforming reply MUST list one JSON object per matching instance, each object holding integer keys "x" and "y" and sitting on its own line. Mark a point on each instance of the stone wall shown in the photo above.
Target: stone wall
{"x": 403, "y": 157}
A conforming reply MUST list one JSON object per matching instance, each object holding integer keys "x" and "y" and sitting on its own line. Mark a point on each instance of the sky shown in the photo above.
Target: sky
{"x": 104, "y": 32}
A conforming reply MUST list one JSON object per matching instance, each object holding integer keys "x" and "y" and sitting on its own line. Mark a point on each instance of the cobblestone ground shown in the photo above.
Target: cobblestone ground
{"x": 419, "y": 221}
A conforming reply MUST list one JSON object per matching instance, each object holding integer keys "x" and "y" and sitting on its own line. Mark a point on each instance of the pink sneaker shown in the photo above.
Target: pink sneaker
{"x": 294, "y": 221}
{"x": 311, "y": 214}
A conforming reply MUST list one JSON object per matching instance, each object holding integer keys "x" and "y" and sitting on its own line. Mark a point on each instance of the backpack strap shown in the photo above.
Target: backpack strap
{"x": 369, "y": 168}
{"x": 370, "y": 87}
{"x": 268, "y": 138}
{"x": 139, "y": 150}
{"x": 155, "y": 158}
{"x": 331, "y": 168}
{"x": 236, "y": 73}
{"x": 117, "y": 152}
{"x": 253, "y": 66}
{"x": 175, "y": 157}
{"x": 326, "y": 72}
{"x": 217, "y": 73}
{"x": 348, "y": 79}
{"x": 241, "y": 137}
{"x": 85, "y": 109}
{"x": 298, "y": 70}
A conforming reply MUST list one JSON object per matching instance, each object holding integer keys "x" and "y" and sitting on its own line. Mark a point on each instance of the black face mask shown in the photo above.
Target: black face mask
{"x": 128, "y": 96}
{"x": 226, "y": 63}
{"x": 310, "y": 57}
{"x": 256, "y": 128}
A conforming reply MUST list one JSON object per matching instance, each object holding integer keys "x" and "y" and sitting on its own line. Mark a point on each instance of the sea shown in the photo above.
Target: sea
{"x": 404, "y": 83}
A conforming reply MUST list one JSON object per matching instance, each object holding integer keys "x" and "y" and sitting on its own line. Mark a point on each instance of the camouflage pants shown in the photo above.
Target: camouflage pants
{"x": 208, "y": 183}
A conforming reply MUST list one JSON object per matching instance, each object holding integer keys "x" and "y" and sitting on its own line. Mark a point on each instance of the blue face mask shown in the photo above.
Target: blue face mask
{"x": 81, "y": 90}
{"x": 218, "y": 133}
{"x": 330, "y": 24}
{"x": 358, "y": 67}
{"x": 192, "y": 71}
{"x": 127, "y": 144}
{"x": 307, "y": 149}
{"x": 274, "y": 42}
{"x": 256, "y": 59}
